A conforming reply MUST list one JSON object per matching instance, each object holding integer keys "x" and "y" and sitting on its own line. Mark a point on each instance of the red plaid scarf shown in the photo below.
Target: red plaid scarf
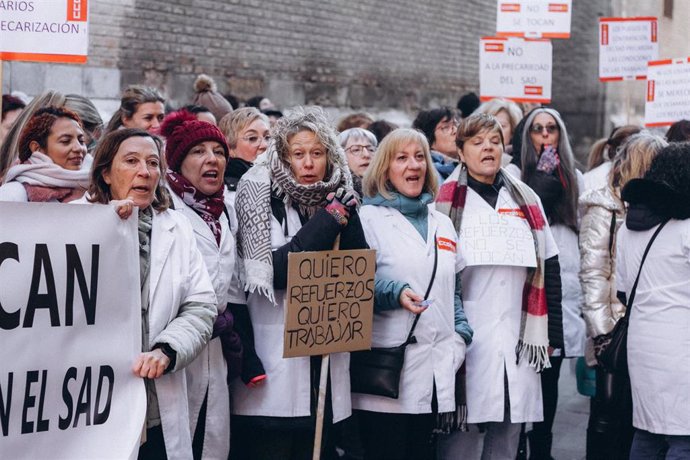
{"x": 209, "y": 208}
{"x": 533, "y": 341}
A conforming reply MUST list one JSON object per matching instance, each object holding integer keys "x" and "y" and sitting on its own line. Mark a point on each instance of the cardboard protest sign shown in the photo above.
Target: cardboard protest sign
{"x": 44, "y": 30}
{"x": 515, "y": 68}
{"x": 70, "y": 322}
{"x": 668, "y": 92}
{"x": 625, "y": 47}
{"x": 330, "y": 302}
{"x": 503, "y": 238}
{"x": 533, "y": 18}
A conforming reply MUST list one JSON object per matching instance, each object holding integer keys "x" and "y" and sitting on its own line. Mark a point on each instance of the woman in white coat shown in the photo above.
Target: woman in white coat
{"x": 196, "y": 154}
{"x": 53, "y": 163}
{"x": 544, "y": 161}
{"x": 511, "y": 293}
{"x": 177, "y": 298}
{"x": 410, "y": 238}
{"x": 658, "y": 339}
{"x": 299, "y": 198}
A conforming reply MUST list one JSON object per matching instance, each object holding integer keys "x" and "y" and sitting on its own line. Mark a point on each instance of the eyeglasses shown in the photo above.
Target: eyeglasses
{"x": 255, "y": 140}
{"x": 447, "y": 128}
{"x": 538, "y": 129}
{"x": 359, "y": 150}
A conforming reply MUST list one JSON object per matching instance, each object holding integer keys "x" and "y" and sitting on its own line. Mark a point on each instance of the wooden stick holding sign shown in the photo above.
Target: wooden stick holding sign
{"x": 329, "y": 309}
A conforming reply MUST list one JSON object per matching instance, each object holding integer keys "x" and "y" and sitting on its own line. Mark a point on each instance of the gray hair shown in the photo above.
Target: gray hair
{"x": 357, "y": 133}
{"x": 312, "y": 119}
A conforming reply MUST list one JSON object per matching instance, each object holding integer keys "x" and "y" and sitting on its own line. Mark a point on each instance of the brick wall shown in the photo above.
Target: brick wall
{"x": 360, "y": 54}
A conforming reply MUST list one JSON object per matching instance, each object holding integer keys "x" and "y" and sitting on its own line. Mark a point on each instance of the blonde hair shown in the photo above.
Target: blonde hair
{"x": 375, "y": 179}
{"x": 493, "y": 106}
{"x": 232, "y": 124}
{"x": 634, "y": 159}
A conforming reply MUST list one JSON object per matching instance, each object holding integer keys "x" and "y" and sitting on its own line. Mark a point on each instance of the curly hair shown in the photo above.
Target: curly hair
{"x": 634, "y": 158}
{"x": 312, "y": 119}
{"x": 38, "y": 128}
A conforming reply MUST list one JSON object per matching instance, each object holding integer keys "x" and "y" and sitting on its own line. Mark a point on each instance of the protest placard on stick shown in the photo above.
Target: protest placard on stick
{"x": 668, "y": 92}
{"x": 44, "y": 31}
{"x": 330, "y": 298}
{"x": 626, "y": 45}
{"x": 533, "y": 18}
{"x": 70, "y": 322}
{"x": 515, "y": 68}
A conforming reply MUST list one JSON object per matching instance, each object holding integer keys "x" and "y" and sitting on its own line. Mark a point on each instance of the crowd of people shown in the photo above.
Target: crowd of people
{"x": 223, "y": 194}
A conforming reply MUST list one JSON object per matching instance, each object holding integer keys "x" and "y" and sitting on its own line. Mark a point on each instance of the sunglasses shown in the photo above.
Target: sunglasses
{"x": 538, "y": 129}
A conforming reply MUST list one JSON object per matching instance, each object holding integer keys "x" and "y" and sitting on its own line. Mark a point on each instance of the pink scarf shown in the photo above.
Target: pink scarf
{"x": 208, "y": 207}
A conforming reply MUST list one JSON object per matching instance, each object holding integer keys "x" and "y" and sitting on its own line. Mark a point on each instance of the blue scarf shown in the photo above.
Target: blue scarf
{"x": 415, "y": 210}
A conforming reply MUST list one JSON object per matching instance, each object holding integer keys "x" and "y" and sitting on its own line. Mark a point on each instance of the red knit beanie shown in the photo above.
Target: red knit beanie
{"x": 182, "y": 131}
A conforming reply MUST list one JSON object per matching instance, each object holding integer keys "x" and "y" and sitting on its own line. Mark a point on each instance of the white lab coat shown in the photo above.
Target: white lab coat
{"x": 402, "y": 254}
{"x": 208, "y": 372}
{"x": 177, "y": 275}
{"x": 659, "y": 329}
{"x": 286, "y": 390}
{"x": 492, "y": 297}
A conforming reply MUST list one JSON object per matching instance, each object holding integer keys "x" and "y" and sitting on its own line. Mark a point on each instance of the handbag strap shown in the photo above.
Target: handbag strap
{"x": 631, "y": 298}
{"x": 410, "y": 336}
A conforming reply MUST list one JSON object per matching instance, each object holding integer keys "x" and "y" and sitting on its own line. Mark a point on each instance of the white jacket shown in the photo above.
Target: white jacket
{"x": 286, "y": 390}
{"x": 403, "y": 255}
{"x": 208, "y": 372}
{"x": 177, "y": 275}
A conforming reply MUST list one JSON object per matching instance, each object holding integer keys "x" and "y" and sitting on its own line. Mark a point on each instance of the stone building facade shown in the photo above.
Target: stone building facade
{"x": 389, "y": 58}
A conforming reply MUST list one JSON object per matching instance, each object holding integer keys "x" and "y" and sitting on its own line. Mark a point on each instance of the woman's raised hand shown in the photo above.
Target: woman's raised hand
{"x": 123, "y": 208}
{"x": 151, "y": 364}
{"x": 410, "y": 300}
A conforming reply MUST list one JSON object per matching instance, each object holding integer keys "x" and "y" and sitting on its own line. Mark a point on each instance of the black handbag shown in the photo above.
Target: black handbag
{"x": 377, "y": 371}
{"x": 614, "y": 357}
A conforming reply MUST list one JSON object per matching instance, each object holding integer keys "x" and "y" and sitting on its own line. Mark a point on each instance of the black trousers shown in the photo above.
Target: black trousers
{"x": 396, "y": 436}
{"x": 549, "y": 390}
{"x": 154, "y": 447}
{"x": 610, "y": 431}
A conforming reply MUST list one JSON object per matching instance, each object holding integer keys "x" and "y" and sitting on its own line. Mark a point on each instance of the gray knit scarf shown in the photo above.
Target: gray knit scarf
{"x": 253, "y": 205}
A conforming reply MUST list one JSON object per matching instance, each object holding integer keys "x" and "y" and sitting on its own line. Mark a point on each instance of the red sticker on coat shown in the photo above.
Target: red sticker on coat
{"x": 445, "y": 244}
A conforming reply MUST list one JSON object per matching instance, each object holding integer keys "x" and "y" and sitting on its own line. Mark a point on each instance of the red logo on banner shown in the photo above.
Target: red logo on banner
{"x": 76, "y": 10}
{"x": 650, "y": 91}
{"x": 558, "y": 8}
{"x": 604, "y": 34}
{"x": 534, "y": 90}
{"x": 510, "y": 8}
{"x": 445, "y": 244}
{"x": 493, "y": 47}
{"x": 654, "y": 30}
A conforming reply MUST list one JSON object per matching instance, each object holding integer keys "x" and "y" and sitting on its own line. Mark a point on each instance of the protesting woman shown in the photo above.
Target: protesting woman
{"x": 178, "y": 305}
{"x": 360, "y": 146}
{"x": 511, "y": 293}
{"x": 545, "y": 162}
{"x": 140, "y": 107}
{"x": 609, "y": 432}
{"x": 298, "y": 198}
{"x": 196, "y": 154}
{"x": 416, "y": 254}
{"x": 53, "y": 164}
{"x": 246, "y": 131}
{"x": 657, "y": 292}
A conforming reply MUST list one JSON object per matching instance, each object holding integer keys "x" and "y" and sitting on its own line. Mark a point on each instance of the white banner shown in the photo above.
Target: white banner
{"x": 70, "y": 323}
{"x": 515, "y": 68}
{"x": 44, "y": 30}
{"x": 626, "y": 45}
{"x": 497, "y": 238}
{"x": 668, "y": 92}
{"x": 533, "y": 18}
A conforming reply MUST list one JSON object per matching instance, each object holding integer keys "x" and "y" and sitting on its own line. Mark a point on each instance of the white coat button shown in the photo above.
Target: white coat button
{"x": 503, "y": 282}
